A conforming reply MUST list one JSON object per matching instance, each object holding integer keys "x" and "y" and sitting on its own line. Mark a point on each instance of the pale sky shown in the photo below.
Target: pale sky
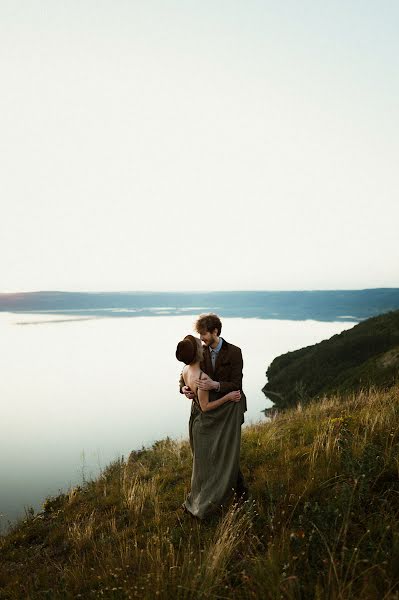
{"x": 170, "y": 145}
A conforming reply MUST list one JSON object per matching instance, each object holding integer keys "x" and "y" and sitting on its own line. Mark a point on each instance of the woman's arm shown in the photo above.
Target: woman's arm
{"x": 203, "y": 397}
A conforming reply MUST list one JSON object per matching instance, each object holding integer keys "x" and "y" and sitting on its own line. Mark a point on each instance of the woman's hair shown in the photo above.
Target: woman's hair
{"x": 208, "y": 322}
{"x": 189, "y": 350}
{"x": 200, "y": 351}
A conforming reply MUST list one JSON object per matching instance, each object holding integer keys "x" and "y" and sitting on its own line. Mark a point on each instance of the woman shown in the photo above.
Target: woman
{"x": 213, "y": 429}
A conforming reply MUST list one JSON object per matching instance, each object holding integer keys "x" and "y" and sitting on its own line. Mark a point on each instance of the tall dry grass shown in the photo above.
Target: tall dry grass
{"x": 322, "y": 522}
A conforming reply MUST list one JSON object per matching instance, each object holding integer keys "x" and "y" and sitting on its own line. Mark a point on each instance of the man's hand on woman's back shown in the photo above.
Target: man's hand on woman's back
{"x": 187, "y": 392}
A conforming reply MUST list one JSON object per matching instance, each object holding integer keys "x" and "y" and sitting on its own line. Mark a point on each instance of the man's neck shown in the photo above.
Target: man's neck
{"x": 215, "y": 343}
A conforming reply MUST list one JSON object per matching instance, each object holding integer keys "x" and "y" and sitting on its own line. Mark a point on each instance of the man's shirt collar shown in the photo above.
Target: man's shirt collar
{"x": 217, "y": 349}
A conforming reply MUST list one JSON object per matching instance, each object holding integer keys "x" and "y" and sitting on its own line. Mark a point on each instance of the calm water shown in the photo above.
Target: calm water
{"x": 77, "y": 394}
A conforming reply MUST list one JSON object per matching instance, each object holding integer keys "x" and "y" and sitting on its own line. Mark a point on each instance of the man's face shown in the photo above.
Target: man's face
{"x": 208, "y": 338}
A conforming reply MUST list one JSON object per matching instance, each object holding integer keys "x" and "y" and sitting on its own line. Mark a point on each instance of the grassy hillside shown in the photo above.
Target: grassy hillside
{"x": 322, "y": 523}
{"x": 367, "y": 354}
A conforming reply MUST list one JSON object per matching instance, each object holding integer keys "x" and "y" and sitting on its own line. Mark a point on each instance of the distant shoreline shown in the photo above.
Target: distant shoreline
{"x": 320, "y": 305}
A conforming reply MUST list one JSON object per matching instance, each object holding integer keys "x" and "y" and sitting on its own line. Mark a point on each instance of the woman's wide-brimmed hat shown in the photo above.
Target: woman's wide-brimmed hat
{"x": 186, "y": 350}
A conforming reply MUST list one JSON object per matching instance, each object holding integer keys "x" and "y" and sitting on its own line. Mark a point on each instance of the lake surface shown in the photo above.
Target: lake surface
{"x": 77, "y": 394}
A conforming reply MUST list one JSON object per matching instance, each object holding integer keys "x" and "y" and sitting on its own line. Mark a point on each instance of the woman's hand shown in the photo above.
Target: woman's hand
{"x": 234, "y": 396}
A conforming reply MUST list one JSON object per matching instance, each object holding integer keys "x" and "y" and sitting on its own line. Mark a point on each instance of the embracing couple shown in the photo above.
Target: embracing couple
{"x": 212, "y": 380}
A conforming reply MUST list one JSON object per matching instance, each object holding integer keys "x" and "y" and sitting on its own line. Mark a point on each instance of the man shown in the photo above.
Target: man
{"x": 223, "y": 363}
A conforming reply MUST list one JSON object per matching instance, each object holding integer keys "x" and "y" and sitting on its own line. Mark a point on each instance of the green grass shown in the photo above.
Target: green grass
{"x": 322, "y": 522}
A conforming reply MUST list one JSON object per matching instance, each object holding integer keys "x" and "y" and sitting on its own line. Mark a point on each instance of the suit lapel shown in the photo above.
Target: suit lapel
{"x": 208, "y": 368}
{"x": 220, "y": 355}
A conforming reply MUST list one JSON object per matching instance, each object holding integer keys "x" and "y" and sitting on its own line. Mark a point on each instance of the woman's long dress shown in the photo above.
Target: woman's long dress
{"x": 215, "y": 438}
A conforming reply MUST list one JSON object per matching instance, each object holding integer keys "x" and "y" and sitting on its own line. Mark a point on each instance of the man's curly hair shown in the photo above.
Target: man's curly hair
{"x": 208, "y": 322}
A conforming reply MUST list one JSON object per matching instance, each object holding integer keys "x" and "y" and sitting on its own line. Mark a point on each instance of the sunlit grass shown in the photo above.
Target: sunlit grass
{"x": 322, "y": 521}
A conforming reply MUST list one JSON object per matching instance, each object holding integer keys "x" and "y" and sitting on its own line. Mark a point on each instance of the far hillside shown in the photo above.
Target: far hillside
{"x": 366, "y": 355}
{"x": 320, "y": 305}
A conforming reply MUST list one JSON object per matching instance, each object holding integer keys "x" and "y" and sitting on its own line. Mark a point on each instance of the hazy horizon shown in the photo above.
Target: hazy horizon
{"x": 188, "y": 291}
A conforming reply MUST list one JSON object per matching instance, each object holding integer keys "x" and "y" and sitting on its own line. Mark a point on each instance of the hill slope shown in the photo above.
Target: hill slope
{"x": 367, "y": 354}
{"x": 322, "y": 525}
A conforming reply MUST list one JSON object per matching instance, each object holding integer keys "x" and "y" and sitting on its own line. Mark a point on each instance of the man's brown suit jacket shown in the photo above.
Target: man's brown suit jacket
{"x": 228, "y": 371}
